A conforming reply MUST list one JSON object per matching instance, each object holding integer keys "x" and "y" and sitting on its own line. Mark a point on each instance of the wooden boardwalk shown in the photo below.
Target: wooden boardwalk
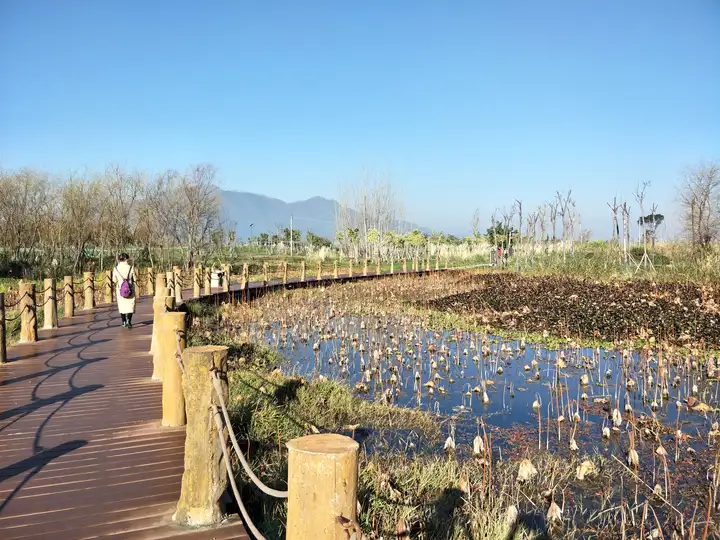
{"x": 82, "y": 454}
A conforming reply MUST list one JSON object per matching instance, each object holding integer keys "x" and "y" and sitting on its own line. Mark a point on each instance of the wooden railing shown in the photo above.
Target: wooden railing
{"x": 322, "y": 468}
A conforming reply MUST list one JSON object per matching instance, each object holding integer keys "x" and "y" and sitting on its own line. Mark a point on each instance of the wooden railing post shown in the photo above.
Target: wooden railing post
{"x": 404, "y": 265}
{"x": 207, "y": 287}
{"x": 3, "y": 334}
{"x": 319, "y": 271}
{"x": 244, "y": 277}
{"x": 28, "y": 314}
{"x": 169, "y": 284}
{"x": 377, "y": 268}
{"x": 226, "y": 278}
{"x": 150, "y": 281}
{"x": 302, "y": 270}
{"x": 437, "y": 261}
{"x": 177, "y": 284}
{"x": 205, "y": 478}
{"x": 335, "y": 269}
{"x": 322, "y": 486}
{"x": 107, "y": 286}
{"x": 197, "y": 281}
{"x": 172, "y": 324}
{"x": 160, "y": 292}
{"x": 392, "y": 266}
{"x": 160, "y": 306}
{"x": 69, "y": 297}
{"x": 89, "y": 290}
{"x": 284, "y": 272}
{"x": 365, "y": 267}
{"x": 350, "y": 268}
{"x": 416, "y": 264}
{"x": 265, "y": 273}
{"x": 50, "y": 304}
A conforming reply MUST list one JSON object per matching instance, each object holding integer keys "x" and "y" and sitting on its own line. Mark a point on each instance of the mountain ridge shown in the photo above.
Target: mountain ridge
{"x": 317, "y": 214}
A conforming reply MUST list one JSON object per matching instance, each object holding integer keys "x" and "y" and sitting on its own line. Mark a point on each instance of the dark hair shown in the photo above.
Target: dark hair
{"x": 123, "y": 257}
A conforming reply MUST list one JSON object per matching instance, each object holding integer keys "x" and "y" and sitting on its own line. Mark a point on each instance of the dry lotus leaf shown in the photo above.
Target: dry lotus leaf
{"x": 585, "y": 469}
{"x": 526, "y": 471}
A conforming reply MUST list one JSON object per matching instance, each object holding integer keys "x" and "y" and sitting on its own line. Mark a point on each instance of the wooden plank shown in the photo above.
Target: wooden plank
{"x": 83, "y": 454}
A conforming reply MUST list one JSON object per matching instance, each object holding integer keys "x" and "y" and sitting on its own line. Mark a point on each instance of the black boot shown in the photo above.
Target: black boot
{"x": 123, "y": 318}
{"x": 128, "y": 318}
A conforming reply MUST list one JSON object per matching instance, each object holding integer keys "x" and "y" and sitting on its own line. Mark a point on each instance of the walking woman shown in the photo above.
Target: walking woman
{"x": 124, "y": 277}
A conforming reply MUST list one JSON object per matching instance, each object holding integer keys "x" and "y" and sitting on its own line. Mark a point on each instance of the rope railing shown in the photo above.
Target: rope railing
{"x": 246, "y": 466}
{"x": 226, "y": 458}
{"x": 178, "y": 350}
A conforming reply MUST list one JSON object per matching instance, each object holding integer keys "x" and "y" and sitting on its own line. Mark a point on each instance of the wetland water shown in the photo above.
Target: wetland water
{"x": 463, "y": 377}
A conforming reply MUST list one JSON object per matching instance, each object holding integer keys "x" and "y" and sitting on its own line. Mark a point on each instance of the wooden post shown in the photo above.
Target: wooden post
{"x": 285, "y": 272}
{"x": 177, "y": 284}
{"x": 3, "y": 334}
{"x": 207, "y": 287}
{"x": 204, "y": 478}
{"x": 150, "y": 281}
{"x": 302, "y": 270}
{"x": 246, "y": 282}
{"x": 265, "y": 273}
{"x": 377, "y": 268}
{"x": 322, "y": 486}
{"x": 107, "y": 286}
{"x": 226, "y": 278}
{"x": 243, "y": 277}
{"x": 50, "y": 304}
{"x": 197, "y": 281}
{"x": 319, "y": 272}
{"x": 392, "y": 266}
{"x": 89, "y": 290}
{"x": 446, "y": 263}
{"x": 335, "y": 269}
{"x": 173, "y": 400}
{"x": 416, "y": 264}
{"x": 404, "y": 265}
{"x": 437, "y": 261}
{"x": 365, "y": 268}
{"x": 160, "y": 307}
{"x": 28, "y": 314}
{"x": 350, "y": 270}
{"x": 160, "y": 288}
{"x": 427, "y": 263}
{"x": 170, "y": 284}
{"x": 69, "y": 296}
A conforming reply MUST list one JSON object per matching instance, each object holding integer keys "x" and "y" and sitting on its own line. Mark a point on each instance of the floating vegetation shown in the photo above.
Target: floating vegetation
{"x": 679, "y": 313}
{"x": 557, "y": 438}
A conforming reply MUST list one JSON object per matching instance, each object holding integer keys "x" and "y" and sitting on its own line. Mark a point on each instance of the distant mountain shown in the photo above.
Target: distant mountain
{"x": 317, "y": 214}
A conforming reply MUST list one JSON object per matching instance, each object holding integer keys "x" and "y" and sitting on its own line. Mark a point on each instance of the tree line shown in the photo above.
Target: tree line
{"x": 83, "y": 220}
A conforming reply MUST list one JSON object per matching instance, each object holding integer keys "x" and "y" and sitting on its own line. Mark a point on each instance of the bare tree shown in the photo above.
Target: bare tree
{"x": 699, "y": 197}
{"x": 615, "y": 228}
{"x": 640, "y": 198}
{"x": 475, "y": 223}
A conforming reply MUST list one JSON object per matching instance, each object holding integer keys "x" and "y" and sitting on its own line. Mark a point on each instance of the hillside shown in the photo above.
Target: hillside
{"x": 267, "y": 214}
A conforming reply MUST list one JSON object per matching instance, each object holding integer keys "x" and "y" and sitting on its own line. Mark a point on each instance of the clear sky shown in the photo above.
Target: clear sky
{"x": 462, "y": 104}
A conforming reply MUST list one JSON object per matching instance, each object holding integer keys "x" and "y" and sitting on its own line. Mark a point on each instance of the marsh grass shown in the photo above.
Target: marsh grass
{"x": 425, "y": 494}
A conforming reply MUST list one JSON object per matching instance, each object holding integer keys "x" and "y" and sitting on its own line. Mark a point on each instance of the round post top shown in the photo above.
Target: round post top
{"x": 206, "y": 349}
{"x": 323, "y": 443}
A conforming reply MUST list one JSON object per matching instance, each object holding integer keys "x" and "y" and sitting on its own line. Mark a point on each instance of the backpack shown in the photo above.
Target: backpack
{"x": 126, "y": 289}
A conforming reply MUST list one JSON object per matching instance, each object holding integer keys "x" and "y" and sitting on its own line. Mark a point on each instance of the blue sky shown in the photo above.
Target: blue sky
{"x": 460, "y": 104}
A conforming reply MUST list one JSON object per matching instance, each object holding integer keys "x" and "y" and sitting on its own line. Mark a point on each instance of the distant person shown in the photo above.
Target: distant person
{"x": 124, "y": 277}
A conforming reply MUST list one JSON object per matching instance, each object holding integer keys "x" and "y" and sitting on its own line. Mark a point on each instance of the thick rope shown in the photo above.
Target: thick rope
{"x": 178, "y": 352}
{"x": 259, "y": 483}
{"x": 16, "y": 303}
{"x": 218, "y": 425}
